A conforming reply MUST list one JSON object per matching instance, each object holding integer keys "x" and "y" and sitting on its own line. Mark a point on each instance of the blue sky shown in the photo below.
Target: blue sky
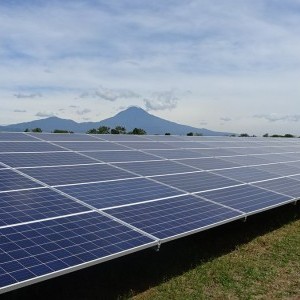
{"x": 225, "y": 65}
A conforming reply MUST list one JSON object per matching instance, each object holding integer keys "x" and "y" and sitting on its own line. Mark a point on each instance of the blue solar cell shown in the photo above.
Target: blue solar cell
{"x": 247, "y": 160}
{"x": 155, "y": 167}
{"x": 287, "y": 186}
{"x": 168, "y": 218}
{"x": 247, "y": 198}
{"x": 246, "y": 174}
{"x": 10, "y": 180}
{"x": 109, "y": 194}
{"x": 281, "y": 169}
{"x": 104, "y": 238}
{"x": 17, "y": 136}
{"x": 76, "y": 174}
{"x": 120, "y": 137}
{"x": 63, "y": 137}
{"x": 209, "y": 163}
{"x": 6, "y": 147}
{"x": 31, "y": 205}
{"x": 18, "y": 160}
{"x": 92, "y": 146}
{"x": 196, "y": 182}
{"x": 120, "y": 156}
{"x": 213, "y": 152}
{"x": 145, "y": 145}
{"x": 176, "y": 153}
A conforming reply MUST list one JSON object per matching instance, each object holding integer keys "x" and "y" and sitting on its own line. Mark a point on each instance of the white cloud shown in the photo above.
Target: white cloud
{"x": 274, "y": 117}
{"x": 83, "y": 111}
{"x": 20, "y": 110}
{"x": 44, "y": 114}
{"x": 30, "y": 96}
{"x": 166, "y": 100}
{"x": 109, "y": 94}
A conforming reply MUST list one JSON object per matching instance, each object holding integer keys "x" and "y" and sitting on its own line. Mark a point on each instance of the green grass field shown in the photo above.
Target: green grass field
{"x": 258, "y": 259}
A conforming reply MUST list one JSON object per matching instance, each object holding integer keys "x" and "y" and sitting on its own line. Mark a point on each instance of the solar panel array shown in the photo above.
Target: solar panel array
{"x": 68, "y": 201}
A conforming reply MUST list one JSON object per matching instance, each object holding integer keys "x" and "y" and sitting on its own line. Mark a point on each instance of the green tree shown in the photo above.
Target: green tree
{"x": 244, "y": 135}
{"x": 37, "y": 129}
{"x": 62, "y": 131}
{"x": 26, "y": 130}
{"x": 190, "y": 134}
{"x": 138, "y": 131}
{"x": 121, "y": 129}
{"x": 92, "y": 131}
{"x": 167, "y": 133}
{"x": 266, "y": 135}
{"x": 288, "y": 135}
{"x": 114, "y": 131}
{"x": 103, "y": 130}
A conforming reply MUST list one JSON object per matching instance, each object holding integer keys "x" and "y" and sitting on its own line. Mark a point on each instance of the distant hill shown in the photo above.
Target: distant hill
{"x": 129, "y": 118}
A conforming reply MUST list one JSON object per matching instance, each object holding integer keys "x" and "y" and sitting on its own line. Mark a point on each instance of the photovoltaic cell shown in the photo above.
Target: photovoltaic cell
{"x": 168, "y": 218}
{"x": 145, "y": 145}
{"x": 28, "y": 147}
{"x": 213, "y": 152}
{"x": 120, "y": 156}
{"x": 281, "y": 169}
{"x": 175, "y": 154}
{"x": 247, "y": 160}
{"x": 287, "y": 186}
{"x": 30, "y": 205}
{"x": 209, "y": 163}
{"x": 197, "y": 182}
{"x": 18, "y": 160}
{"x": 155, "y": 167}
{"x": 76, "y": 174}
{"x": 246, "y": 198}
{"x": 120, "y": 137}
{"x": 246, "y": 174}
{"x": 36, "y": 250}
{"x": 5, "y": 136}
{"x": 10, "y": 180}
{"x": 62, "y": 136}
{"x": 115, "y": 193}
{"x": 92, "y": 146}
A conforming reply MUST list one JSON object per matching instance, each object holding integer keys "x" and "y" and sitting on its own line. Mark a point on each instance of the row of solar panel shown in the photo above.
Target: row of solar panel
{"x": 50, "y": 223}
{"x": 17, "y": 136}
{"x": 42, "y": 248}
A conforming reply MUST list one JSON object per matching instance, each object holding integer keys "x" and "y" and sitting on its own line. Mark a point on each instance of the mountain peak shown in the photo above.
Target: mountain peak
{"x": 134, "y": 110}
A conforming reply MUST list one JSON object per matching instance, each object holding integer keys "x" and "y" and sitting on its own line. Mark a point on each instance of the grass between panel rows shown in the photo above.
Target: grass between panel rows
{"x": 256, "y": 259}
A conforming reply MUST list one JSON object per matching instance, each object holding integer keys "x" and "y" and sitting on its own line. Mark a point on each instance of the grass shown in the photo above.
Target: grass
{"x": 258, "y": 259}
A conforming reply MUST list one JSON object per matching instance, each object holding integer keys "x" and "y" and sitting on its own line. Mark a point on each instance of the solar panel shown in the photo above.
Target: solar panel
{"x": 30, "y": 205}
{"x": 18, "y": 160}
{"x": 281, "y": 169}
{"x": 6, "y": 147}
{"x": 120, "y": 156}
{"x": 209, "y": 163}
{"x": 68, "y": 201}
{"x": 10, "y": 180}
{"x": 175, "y": 153}
{"x": 155, "y": 167}
{"x": 92, "y": 146}
{"x": 286, "y": 186}
{"x": 197, "y": 181}
{"x": 17, "y": 136}
{"x": 118, "y": 193}
{"x": 45, "y": 249}
{"x": 246, "y": 174}
{"x": 170, "y": 218}
{"x": 62, "y": 137}
{"x": 247, "y": 198}
{"x": 76, "y": 174}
